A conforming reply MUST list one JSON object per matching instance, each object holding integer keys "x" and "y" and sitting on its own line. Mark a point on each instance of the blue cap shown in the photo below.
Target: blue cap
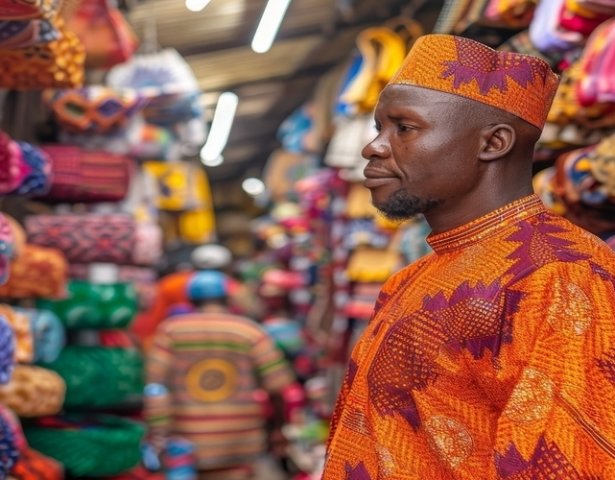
{"x": 206, "y": 285}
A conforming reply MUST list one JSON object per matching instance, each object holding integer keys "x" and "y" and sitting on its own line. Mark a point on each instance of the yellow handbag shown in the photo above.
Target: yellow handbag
{"x": 371, "y": 265}
{"x": 185, "y": 200}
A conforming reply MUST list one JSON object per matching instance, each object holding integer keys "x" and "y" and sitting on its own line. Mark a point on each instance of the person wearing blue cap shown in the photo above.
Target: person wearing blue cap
{"x": 215, "y": 366}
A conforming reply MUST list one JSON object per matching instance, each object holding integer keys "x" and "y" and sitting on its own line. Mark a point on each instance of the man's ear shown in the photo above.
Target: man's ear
{"x": 496, "y": 141}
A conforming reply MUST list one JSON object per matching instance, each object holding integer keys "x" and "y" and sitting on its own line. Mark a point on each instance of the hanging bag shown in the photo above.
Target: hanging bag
{"x": 106, "y": 35}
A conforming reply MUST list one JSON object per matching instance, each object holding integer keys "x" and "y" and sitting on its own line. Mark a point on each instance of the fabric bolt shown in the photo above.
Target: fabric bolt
{"x": 7, "y": 350}
{"x": 95, "y": 306}
{"x": 99, "y": 377}
{"x": 14, "y": 424}
{"x": 213, "y": 364}
{"x": 38, "y": 178}
{"x": 22, "y": 333}
{"x": 142, "y": 278}
{"x": 519, "y": 84}
{"x": 47, "y": 332}
{"x": 91, "y": 238}
{"x": 83, "y": 176}
{"x": 497, "y": 365}
{"x": 88, "y": 445}
{"x": 36, "y": 272}
{"x": 33, "y": 392}
{"x": 33, "y": 465}
{"x": 7, "y": 247}
{"x": 9, "y": 442}
{"x": 13, "y": 169}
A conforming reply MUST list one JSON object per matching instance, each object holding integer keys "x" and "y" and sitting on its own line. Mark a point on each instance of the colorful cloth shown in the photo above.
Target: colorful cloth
{"x": 519, "y": 84}
{"x": 491, "y": 358}
{"x": 213, "y": 365}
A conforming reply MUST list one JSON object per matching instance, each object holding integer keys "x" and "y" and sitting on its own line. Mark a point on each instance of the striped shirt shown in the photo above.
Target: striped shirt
{"x": 214, "y": 365}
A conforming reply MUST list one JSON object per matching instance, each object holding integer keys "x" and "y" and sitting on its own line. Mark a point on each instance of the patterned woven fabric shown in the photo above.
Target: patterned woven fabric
{"x": 93, "y": 306}
{"x": 10, "y": 437}
{"x": 33, "y": 392}
{"x": 33, "y": 465}
{"x": 22, "y": 333}
{"x": 7, "y": 350}
{"x": 498, "y": 365}
{"x": 47, "y": 332}
{"x": 81, "y": 175}
{"x": 88, "y": 445}
{"x": 36, "y": 272}
{"x": 99, "y": 377}
{"x": 519, "y": 84}
{"x": 112, "y": 238}
{"x": 212, "y": 365}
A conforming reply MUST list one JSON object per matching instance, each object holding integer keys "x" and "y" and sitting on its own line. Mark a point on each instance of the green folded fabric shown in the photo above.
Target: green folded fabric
{"x": 88, "y": 445}
{"x": 99, "y": 376}
{"x": 94, "y": 306}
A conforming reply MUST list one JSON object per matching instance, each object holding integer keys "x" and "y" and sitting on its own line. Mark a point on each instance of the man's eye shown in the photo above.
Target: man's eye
{"x": 404, "y": 127}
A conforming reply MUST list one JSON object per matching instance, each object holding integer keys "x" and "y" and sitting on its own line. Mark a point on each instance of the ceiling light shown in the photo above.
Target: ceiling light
{"x": 269, "y": 25}
{"x": 253, "y": 186}
{"x": 220, "y": 127}
{"x": 196, "y": 5}
{"x": 214, "y": 162}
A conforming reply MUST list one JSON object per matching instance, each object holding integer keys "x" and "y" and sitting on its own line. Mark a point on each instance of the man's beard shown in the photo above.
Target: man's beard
{"x": 403, "y": 206}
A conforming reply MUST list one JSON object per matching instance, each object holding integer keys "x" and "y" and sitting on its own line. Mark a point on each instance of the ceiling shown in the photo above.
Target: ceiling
{"x": 315, "y": 36}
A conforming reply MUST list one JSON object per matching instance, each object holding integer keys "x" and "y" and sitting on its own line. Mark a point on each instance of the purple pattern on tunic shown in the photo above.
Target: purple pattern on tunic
{"x": 547, "y": 461}
{"x": 357, "y": 473}
{"x": 606, "y": 364}
{"x": 475, "y": 319}
{"x": 540, "y": 246}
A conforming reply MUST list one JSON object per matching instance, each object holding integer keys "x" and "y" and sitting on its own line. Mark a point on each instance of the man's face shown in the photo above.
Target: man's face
{"x": 424, "y": 158}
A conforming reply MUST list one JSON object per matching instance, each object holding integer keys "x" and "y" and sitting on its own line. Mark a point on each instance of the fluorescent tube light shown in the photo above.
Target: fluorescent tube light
{"x": 253, "y": 186}
{"x": 220, "y": 127}
{"x": 196, "y": 5}
{"x": 269, "y": 25}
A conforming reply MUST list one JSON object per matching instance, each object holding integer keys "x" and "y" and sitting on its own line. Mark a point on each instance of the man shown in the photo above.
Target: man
{"x": 213, "y": 364}
{"x": 494, "y": 356}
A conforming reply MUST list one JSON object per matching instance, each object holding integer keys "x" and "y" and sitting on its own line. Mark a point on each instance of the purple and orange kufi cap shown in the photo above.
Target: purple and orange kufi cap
{"x": 516, "y": 83}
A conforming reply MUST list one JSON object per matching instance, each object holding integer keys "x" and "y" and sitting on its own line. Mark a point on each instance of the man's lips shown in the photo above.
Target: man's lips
{"x": 376, "y": 179}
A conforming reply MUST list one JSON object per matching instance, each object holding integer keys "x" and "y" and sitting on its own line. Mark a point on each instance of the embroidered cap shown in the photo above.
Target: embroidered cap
{"x": 520, "y": 84}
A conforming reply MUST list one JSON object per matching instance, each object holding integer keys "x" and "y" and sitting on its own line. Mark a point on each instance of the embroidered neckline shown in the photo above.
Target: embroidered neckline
{"x": 487, "y": 225}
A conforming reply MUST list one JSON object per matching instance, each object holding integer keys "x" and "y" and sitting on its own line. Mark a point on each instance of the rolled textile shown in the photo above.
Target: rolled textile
{"x": 47, "y": 332}
{"x": 89, "y": 238}
{"x": 9, "y": 449}
{"x": 98, "y": 377}
{"x": 33, "y": 392}
{"x": 7, "y": 248}
{"x": 20, "y": 324}
{"x": 33, "y": 465}
{"x": 144, "y": 279}
{"x": 95, "y": 306}
{"x": 7, "y": 350}
{"x": 37, "y": 272}
{"x": 88, "y": 445}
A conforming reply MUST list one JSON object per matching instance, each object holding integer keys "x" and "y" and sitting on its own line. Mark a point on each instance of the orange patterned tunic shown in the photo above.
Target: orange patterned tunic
{"x": 491, "y": 358}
